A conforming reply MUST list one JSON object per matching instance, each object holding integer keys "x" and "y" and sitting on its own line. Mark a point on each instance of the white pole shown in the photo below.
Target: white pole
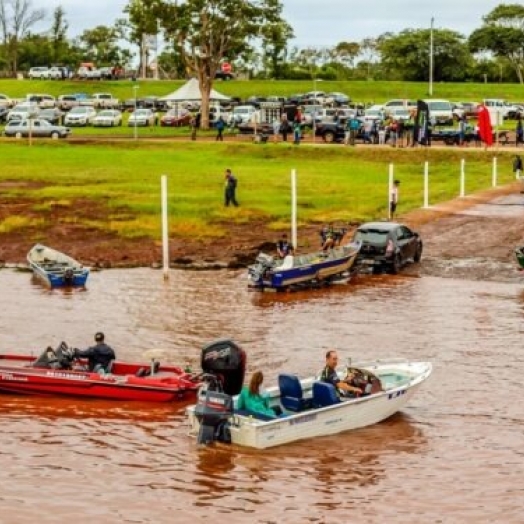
{"x": 165, "y": 240}
{"x": 294, "y": 208}
{"x": 462, "y": 177}
{"x": 494, "y": 174}
{"x": 431, "y": 58}
{"x": 426, "y": 185}
{"x": 390, "y": 188}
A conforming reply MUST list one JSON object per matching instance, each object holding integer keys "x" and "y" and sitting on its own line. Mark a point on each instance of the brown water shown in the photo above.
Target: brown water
{"x": 455, "y": 454}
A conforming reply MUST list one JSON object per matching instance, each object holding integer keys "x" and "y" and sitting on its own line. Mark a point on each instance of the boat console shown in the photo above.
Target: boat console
{"x": 223, "y": 364}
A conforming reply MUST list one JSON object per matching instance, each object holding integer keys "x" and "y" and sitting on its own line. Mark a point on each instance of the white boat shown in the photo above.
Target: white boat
{"x": 55, "y": 268}
{"x": 324, "y": 413}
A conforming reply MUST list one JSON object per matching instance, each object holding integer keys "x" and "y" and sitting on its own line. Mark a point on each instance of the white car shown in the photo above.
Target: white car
{"x": 108, "y": 118}
{"x": 6, "y": 101}
{"x": 80, "y": 116}
{"x": 22, "y": 111}
{"x": 38, "y": 72}
{"x": 43, "y": 101}
{"x": 142, "y": 117}
{"x": 242, "y": 115}
{"x": 375, "y": 112}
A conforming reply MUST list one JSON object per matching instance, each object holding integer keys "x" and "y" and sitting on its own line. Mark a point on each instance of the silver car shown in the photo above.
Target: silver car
{"x": 37, "y": 128}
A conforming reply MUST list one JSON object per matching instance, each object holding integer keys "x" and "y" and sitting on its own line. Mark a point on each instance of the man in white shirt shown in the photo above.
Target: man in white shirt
{"x": 393, "y": 200}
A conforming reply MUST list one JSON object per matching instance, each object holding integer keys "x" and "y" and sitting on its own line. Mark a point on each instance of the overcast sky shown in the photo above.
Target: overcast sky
{"x": 318, "y": 22}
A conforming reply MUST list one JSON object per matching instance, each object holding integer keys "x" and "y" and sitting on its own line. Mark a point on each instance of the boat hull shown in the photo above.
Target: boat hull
{"x": 317, "y": 267}
{"x": 345, "y": 416}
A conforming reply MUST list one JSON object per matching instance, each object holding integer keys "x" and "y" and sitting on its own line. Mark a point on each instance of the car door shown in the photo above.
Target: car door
{"x": 407, "y": 242}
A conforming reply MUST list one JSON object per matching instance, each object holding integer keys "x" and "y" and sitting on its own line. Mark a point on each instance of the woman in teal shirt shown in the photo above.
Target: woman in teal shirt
{"x": 252, "y": 400}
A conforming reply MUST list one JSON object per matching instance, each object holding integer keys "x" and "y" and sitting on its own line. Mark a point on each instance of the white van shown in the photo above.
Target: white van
{"x": 440, "y": 111}
{"x": 242, "y": 114}
{"x": 38, "y": 72}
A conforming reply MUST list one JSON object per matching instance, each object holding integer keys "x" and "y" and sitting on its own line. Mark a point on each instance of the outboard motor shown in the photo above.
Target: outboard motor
{"x": 69, "y": 277}
{"x": 223, "y": 364}
{"x": 262, "y": 264}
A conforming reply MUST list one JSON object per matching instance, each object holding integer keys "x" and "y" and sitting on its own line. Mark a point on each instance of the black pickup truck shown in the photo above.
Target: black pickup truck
{"x": 451, "y": 137}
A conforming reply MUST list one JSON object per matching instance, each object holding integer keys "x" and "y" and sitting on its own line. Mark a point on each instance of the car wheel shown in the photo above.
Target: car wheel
{"x": 55, "y": 135}
{"x": 18, "y": 134}
{"x": 418, "y": 254}
{"x": 397, "y": 264}
{"x": 329, "y": 137}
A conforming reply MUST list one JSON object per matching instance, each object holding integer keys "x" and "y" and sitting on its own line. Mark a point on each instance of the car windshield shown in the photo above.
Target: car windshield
{"x": 79, "y": 110}
{"x": 439, "y": 106}
{"x": 373, "y": 236}
{"x": 142, "y": 112}
{"x": 106, "y": 113}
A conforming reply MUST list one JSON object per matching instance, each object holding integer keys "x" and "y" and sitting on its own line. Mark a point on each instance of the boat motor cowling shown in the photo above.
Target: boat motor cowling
{"x": 226, "y": 361}
{"x": 213, "y": 411}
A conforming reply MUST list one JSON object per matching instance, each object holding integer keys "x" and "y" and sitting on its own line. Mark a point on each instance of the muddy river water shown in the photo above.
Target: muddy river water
{"x": 455, "y": 453}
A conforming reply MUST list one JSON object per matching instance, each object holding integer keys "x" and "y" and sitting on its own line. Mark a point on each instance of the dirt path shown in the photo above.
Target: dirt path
{"x": 482, "y": 228}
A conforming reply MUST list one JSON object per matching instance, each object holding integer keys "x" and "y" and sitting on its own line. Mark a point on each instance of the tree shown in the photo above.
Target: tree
{"x": 101, "y": 42}
{"x": 275, "y": 36}
{"x": 503, "y": 35}
{"x": 206, "y": 32}
{"x": 58, "y": 35}
{"x": 141, "y": 21}
{"x": 406, "y": 55}
{"x": 17, "y": 17}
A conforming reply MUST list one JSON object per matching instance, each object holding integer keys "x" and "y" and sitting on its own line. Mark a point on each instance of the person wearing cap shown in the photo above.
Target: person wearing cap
{"x": 393, "y": 200}
{"x": 99, "y": 357}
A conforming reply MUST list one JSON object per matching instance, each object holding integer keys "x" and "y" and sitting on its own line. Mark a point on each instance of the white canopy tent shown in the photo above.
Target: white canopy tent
{"x": 190, "y": 92}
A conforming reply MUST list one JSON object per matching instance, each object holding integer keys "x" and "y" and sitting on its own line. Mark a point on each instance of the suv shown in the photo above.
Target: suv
{"x": 38, "y": 72}
{"x": 440, "y": 111}
{"x": 387, "y": 246}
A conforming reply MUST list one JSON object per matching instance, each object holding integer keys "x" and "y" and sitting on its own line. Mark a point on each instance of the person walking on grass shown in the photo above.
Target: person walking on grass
{"x": 230, "y": 189}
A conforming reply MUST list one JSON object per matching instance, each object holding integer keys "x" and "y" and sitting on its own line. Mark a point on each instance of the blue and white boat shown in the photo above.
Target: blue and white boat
{"x": 56, "y": 269}
{"x": 272, "y": 273}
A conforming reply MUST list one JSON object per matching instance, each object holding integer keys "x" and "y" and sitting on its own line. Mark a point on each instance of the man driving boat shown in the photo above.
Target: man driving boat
{"x": 99, "y": 356}
{"x": 329, "y": 375}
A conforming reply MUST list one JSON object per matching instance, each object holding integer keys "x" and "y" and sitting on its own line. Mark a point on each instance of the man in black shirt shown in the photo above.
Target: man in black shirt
{"x": 329, "y": 375}
{"x": 99, "y": 356}
{"x": 284, "y": 248}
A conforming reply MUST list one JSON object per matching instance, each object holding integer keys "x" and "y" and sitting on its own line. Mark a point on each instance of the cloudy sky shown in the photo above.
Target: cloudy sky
{"x": 319, "y": 22}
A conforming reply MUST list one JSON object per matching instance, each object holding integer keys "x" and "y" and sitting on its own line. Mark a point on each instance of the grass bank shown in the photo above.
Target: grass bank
{"x": 360, "y": 91}
{"x": 115, "y": 188}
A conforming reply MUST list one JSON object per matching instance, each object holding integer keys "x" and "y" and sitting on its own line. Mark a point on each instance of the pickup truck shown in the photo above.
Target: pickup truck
{"x": 102, "y": 101}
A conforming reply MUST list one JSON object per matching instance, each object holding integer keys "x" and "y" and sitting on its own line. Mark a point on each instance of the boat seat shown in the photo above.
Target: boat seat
{"x": 287, "y": 263}
{"x": 324, "y": 394}
{"x": 291, "y": 394}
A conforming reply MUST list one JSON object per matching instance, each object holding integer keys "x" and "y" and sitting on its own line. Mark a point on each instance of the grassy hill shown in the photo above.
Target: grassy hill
{"x": 361, "y": 91}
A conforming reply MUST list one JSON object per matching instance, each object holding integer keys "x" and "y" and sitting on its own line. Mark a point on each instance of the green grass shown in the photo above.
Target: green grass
{"x": 121, "y": 183}
{"x": 360, "y": 91}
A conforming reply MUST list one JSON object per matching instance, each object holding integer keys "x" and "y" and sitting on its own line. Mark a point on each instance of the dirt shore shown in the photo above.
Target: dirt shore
{"x": 486, "y": 225}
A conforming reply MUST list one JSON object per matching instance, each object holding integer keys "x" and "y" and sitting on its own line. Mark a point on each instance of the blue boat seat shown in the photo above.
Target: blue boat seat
{"x": 291, "y": 394}
{"x": 324, "y": 394}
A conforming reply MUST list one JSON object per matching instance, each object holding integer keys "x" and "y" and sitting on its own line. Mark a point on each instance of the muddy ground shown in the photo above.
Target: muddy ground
{"x": 483, "y": 228}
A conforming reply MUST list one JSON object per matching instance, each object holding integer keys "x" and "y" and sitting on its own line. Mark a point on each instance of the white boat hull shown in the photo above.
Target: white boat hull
{"x": 347, "y": 415}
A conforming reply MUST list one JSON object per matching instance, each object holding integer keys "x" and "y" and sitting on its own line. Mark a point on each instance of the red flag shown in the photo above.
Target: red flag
{"x": 484, "y": 123}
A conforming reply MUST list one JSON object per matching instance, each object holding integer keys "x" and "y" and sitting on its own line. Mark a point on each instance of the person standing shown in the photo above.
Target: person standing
{"x": 284, "y": 127}
{"x": 519, "y": 132}
{"x": 220, "y": 125}
{"x": 393, "y": 200}
{"x": 297, "y": 131}
{"x": 230, "y": 189}
{"x": 284, "y": 247}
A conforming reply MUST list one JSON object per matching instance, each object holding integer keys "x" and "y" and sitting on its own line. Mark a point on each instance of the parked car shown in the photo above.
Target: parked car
{"x": 21, "y": 111}
{"x": 330, "y": 132}
{"x": 38, "y": 72}
{"x": 58, "y": 73}
{"x": 142, "y": 117}
{"x": 176, "y": 118}
{"x": 387, "y": 246}
{"x": 3, "y": 114}
{"x": 336, "y": 98}
{"x": 440, "y": 111}
{"x": 242, "y": 115}
{"x": 375, "y": 112}
{"x": 37, "y": 128}
{"x": 67, "y": 102}
{"x": 400, "y": 102}
{"x": 53, "y": 115}
{"x": 221, "y": 75}
{"x": 42, "y": 100}
{"x": 470, "y": 109}
{"x": 80, "y": 116}
{"x": 108, "y": 118}
{"x": 6, "y": 101}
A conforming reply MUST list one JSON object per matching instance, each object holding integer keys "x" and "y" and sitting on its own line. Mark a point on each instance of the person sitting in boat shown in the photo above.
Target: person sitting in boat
{"x": 99, "y": 357}
{"x": 284, "y": 247}
{"x": 330, "y": 376}
{"x": 251, "y": 399}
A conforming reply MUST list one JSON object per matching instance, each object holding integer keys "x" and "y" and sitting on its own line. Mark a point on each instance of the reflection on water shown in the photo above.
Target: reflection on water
{"x": 135, "y": 463}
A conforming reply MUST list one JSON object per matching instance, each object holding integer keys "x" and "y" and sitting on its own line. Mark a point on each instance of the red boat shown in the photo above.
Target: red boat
{"x": 57, "y": 372}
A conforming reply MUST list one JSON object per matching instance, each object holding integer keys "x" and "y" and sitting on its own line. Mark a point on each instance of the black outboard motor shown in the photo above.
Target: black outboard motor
{"x": 224, "y": 365}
